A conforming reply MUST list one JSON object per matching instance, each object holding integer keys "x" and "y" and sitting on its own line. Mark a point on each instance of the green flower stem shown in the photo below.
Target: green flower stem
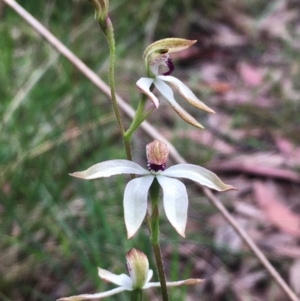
{"x": 139, "y": 117}
{"x": 136, "y": 295}
{"x": 109, "y": 34}
{"x": 154, "y": 236}
{"x": 161, "y": 272}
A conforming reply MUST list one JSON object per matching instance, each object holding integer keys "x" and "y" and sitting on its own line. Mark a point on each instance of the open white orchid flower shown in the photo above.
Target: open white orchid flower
{"x": 138, "y": 279}
{"x": 175, "y": 198}
{"x": 158, "y": 54}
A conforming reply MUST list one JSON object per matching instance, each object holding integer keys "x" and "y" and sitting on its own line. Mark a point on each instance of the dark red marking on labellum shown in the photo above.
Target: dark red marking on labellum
{"x": 155, "y": 167}
{"x": 170, "y": 65}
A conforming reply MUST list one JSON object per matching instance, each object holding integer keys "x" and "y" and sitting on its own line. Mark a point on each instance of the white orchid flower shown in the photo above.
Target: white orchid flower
{"x": 175, "y": 198}
{"x": 158, "y": 54}
{"x": 138, "y": 279}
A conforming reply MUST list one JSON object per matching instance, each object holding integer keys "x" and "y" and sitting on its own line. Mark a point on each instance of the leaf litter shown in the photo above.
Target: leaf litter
{"x": 253, "y": 141}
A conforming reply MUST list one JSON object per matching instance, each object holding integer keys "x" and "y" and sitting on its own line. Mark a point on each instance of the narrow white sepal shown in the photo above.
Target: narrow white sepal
{"x": 120, "y": 280}
{"x": 135, "y": 203}
{"x": 190, "y": 281}
{"x": 168, "y": 94}
{"x": 144, "y": 85}
{"x": 198, "y": 174}
{"x": 110, "y": 168}
{"x": 165, "y": 90}
{"x": 185, "y": 92}
{"x": 175, "y": 201}
{"x": 94, "y": 296}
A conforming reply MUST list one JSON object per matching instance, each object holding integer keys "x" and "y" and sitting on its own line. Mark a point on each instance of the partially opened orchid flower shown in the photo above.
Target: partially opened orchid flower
{"x": 138, "y": 279}
{"x": 175, "y": 198}
{"x": 158, "y": 54}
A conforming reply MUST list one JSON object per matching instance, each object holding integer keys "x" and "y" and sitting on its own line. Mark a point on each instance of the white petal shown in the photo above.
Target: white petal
{"x": 144, "y": 85}
{"x": 190, "y": 281}
{"x": 186, "y": 93}
{"x": 135, "y": 203}
{"x": 120, "y": 280}
{"x": 93, "y": 296}
{"x": 149, "y": 284}
{"x": 150, "y": 274}
{"x": 198, "y": 174}
{"x": 110, "y": 168}
{"x": 167, "y": 93}
{"x": 175, "y": 202}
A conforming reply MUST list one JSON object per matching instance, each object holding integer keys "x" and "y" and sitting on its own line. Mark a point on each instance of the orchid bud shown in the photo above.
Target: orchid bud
{"x": 138, "y": 268}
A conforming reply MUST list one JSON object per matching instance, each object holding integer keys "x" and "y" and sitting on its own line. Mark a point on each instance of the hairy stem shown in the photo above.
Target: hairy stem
{"x": 109, "y": 34}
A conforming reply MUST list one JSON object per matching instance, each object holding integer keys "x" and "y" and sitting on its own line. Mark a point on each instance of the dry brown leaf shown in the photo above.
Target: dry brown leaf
{"x": 249, "y": 165}
{"x": 274, "y": 210}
